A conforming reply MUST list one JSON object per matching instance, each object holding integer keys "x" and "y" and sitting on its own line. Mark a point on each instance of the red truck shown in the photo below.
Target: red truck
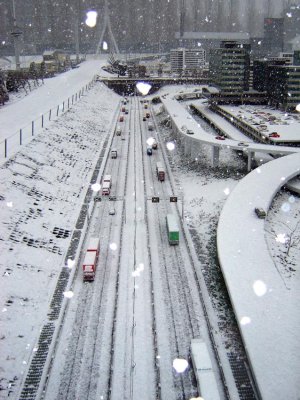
{"x": 160, "y": 171}
{"x": 90, "y": 260}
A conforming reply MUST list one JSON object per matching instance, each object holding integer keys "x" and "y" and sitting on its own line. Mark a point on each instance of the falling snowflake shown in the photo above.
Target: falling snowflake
{"x": 170, "y": 146}
{"x": 245, "y": 320}
{"x": 180, "y": 365}
{"x": 143, "y": 88}
{"x": 69, "y": 294}
{"x": 70, "y": 263}
{"x": 96, "y": 187}
{"x": 260, "y": 288}
{"x": 281, "y": 238}
{"x": 286, "y": 207}
{"x": 91, "y": 18}
{"x": 292, "y": 199}
{"x": 113, "y": 246}
{"x": 150, "y": 141}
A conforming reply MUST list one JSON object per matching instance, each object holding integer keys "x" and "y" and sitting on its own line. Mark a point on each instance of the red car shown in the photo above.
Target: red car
{"x": 121, "y": 118}
{"x": 220, "y": 137}
{"x": 274, "y": 135}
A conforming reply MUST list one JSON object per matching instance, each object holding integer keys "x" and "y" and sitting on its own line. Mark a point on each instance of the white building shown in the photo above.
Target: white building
{"x": 187, "y": 60}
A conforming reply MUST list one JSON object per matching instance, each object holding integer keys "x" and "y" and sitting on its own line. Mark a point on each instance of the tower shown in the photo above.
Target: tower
{"x": 107, "y": 27}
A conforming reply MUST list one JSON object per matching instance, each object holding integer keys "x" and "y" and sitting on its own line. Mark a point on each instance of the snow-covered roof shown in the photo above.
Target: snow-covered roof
{"x": 214, "y": 35}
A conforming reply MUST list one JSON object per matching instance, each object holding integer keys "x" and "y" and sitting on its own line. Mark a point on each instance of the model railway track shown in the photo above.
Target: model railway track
{"x": 88, "y": 318}
{"x": 184, "y": 327}
{"x": 175, "y": 294}
{"x": 35, "y": 374}
{"x": 154, "y": 322}
{"x": 243, "y": 380}
{"x": 126, "y": 376}
{"x": 114, "y": 324}
{"x": 81, "y": 321}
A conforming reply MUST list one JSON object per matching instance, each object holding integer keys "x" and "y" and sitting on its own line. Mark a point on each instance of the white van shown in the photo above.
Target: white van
{"x": 113, "y": 153}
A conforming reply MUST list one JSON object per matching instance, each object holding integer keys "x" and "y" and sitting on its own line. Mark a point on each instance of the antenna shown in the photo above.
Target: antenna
{"x": 107, "y": 26}
{"x": 182, "y": 17}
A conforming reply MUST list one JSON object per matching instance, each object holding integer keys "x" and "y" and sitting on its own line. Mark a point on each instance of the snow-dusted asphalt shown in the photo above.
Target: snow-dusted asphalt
{"x": 141, "y": 285}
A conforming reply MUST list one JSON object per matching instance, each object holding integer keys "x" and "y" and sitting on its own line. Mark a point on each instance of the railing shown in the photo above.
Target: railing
{"x": 12, "y": 143}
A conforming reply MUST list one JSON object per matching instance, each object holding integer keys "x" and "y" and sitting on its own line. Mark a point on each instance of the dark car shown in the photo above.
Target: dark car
{"x": 149, "y": 151}
{"x": 243, "y": 144}
{"x": 220, "y": 137}
{"x": 260, "y": 212}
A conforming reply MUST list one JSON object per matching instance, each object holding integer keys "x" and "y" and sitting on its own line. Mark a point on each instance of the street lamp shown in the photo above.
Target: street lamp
{"x": 16, "y": 33}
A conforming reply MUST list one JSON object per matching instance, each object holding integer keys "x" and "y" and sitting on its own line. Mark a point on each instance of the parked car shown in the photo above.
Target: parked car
{"x": 189, "y": 132}
{"x": 220, "y": 137}
{"x": 274, "y": 135}
{"x": 243, "y": 144}
{"x": 260, "y": 212}
{"x": 149, "y": 151}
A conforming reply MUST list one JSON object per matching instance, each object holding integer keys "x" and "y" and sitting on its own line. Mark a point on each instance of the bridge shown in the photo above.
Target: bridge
{"x": 124, "y": 85}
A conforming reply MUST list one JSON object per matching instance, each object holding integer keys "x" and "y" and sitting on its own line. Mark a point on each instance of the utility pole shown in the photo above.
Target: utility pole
{"x": 16, "y": 33}
{"x": 76, "y": 31}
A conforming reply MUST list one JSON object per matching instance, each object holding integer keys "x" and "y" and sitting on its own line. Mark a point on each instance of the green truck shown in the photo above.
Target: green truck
{"x": 172, "y": 229}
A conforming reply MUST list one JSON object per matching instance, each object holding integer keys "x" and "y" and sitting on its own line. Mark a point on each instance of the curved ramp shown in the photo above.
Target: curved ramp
{"x": 266, "y": 308}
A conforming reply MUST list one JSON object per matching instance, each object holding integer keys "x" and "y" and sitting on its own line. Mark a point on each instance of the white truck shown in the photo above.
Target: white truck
{"x": 113, "y": 153}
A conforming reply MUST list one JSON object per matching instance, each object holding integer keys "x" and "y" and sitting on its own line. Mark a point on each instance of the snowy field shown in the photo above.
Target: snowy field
{"x": 42, "y": 190}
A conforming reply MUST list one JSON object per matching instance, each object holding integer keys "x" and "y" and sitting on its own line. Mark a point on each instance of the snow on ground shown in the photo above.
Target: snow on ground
{"x": 42, "y": 188}
{"x": 204, "y": 200}
{"x": 16, "y": 115}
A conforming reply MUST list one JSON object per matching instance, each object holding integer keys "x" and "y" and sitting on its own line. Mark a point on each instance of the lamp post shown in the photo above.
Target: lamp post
{"x": 16, "y": 33}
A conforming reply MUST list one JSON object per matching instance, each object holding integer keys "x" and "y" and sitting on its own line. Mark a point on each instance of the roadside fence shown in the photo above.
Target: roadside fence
{"x": 12, "y": 143}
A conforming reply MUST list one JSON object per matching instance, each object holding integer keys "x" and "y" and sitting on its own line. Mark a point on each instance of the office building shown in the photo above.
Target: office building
{"x": 284, "y": 86}
{"x": 187, "y": 60}
{"x": 230, "y": 67}
{"x": 273, "y": 36}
